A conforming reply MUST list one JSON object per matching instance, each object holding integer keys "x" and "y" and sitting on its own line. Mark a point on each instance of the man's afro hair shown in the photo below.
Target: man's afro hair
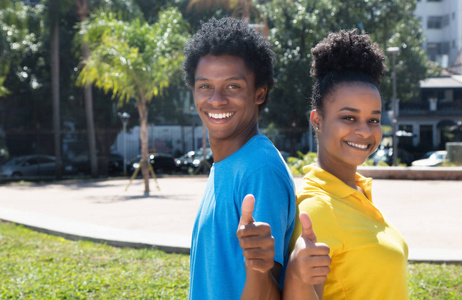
{"x": 230, "y": 36}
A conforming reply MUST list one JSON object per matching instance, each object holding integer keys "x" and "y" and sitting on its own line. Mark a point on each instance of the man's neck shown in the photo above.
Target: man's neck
{"x": 222, "y": 149}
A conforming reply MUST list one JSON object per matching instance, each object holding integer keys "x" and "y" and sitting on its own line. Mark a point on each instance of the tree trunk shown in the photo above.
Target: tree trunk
{"x": 90, "y": 120}
{"x": 143, "y": 112}
{"x": 55, "y": 95}
{"x": 83, "y": 10}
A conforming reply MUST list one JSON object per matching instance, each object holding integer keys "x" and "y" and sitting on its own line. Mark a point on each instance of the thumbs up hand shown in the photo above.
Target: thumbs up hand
{"x": 255, "y": 239}
{"x": 310, "y": 259}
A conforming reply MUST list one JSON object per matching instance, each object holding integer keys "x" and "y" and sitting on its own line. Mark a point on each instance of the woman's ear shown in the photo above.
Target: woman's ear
{"x": 315, "y": 119}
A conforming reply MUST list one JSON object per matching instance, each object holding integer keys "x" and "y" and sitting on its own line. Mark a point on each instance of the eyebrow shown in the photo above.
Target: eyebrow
{"x": 379, "y": 112}
{"x": 238, "y": 77}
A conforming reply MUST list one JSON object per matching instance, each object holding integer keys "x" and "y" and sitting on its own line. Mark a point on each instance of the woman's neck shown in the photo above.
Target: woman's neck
{"x": 346, "y": 173}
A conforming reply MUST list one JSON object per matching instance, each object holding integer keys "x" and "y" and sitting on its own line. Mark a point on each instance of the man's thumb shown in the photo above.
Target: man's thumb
{"x": 307, "y": 227}
{"x": 247, "y": 210}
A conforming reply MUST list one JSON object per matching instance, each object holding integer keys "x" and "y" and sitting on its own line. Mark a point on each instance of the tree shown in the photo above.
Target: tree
{"x": 83, "y": 10}
{"x": 296, "y": 26}
{"x": 134, "y": 60}
{"x": 54, "y": 9}
{"x": 99, "y": 138}
{"x": 15, "y": 38}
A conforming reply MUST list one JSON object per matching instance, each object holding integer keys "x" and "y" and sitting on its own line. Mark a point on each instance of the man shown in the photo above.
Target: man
{"x": 228, "y": 66}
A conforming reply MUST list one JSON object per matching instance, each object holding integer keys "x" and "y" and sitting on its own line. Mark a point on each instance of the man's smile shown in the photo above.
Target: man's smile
{"x": 220, "y": 115}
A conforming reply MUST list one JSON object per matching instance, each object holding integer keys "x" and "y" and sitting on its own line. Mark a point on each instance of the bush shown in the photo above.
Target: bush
{"x": 296, "y": 164}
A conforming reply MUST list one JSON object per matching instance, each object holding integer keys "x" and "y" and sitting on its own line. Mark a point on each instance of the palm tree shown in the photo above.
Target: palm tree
{"x": 82, "y": 11}
{"x": 208, "y": 5}
{"x": 54, "y": 10}
{"x": 243, "y": 9}
{"x": 134, "y": 61}
{"x": 250, "y": 13}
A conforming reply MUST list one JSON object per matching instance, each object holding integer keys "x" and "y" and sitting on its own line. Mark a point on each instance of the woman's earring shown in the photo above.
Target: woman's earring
{"x": 317, "y": 128}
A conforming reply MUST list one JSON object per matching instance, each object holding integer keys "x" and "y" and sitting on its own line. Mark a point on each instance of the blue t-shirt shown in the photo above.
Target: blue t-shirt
{"x": 217, "y": 262}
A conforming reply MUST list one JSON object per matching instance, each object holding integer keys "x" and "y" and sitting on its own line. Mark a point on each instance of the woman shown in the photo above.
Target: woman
{"x": 368, "y": 256}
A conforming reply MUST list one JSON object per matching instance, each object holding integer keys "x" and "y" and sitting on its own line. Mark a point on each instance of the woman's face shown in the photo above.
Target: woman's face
{"x": 349, "y": 125}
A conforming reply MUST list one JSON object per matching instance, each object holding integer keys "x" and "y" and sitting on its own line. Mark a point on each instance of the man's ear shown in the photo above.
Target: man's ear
{"x": 260, "y": 95}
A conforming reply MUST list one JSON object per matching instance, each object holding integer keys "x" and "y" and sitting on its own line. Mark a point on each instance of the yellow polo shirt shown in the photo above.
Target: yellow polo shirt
{"x": 369, "y": 256}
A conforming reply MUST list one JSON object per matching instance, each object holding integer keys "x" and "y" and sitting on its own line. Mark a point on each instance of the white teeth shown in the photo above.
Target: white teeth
{"x": 220, "y": 116}
{"x": 357, "y": 145}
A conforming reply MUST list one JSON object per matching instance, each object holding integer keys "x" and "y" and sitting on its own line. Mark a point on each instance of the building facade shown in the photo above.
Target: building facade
{"x": 436, "y": 117}
{"x": 442, "y": 25}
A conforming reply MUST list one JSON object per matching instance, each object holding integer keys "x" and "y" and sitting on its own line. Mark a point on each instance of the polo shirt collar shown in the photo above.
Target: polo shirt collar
{"x": 327, "y": 181}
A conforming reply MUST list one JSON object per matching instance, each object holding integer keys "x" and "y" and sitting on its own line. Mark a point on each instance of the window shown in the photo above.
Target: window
{"x": 405, "y": 140}
{"x": 426, "y": 134}
{"x": 444, "y": 48}
{"x": 435, "y": 49}
{"x": 434, "y": 22}
{"x": 445, "y": 21}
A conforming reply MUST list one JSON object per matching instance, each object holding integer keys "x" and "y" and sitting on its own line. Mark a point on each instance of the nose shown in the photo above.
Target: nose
{"x": 217, "y": 98}
{"x": 363, "y": 129}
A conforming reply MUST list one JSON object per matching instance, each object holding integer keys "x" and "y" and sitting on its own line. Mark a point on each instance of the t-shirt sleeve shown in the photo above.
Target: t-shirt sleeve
{"x": 325, "y": 224}
{"x": 274, "y": 204}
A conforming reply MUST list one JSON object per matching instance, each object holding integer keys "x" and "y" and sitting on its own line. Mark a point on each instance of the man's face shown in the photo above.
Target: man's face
{"x": 225, "y": 96}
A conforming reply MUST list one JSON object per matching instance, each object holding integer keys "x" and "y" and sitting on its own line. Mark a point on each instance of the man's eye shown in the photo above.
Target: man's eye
{"x": 233, "y": 86}
{"x": 375, "y": 121}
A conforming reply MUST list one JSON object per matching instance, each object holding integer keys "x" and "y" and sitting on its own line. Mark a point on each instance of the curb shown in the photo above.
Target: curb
{"x": 169, "y": 243}
{"x": 117, "y": 237}
{"x": 412, "y": 173}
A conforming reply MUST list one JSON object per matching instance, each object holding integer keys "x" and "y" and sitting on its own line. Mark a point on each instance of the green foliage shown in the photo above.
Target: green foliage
{"x": 133, "y": 59}
{"x": 125, "y": 9}
{"x": 296, "y": 164}
{"x": 370, "y": 162}
{"x": 39, "y": 266}
{"x": 297, "y": 26}
{"x": 15, "y": 39}
{"x": 412, "y": 64}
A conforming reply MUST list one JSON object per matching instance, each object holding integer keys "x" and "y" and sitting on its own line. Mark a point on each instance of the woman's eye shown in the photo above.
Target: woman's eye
{"x": 349, "y": 118}
{"x": 375, "y": 121}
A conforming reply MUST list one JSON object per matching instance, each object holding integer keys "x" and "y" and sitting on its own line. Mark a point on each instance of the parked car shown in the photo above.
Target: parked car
{"x": 431, "y": 159}
{"x": 161, "y": 163}
{"x": 184, "y": 162}
{"x": 34, "y": 165}
{"x": 199, "y": 157}
{"x": 81, "y": 163}
{"x": 384, "y": 154}
{"x": 115, "y": 163}
{"x": 192, "y": 160}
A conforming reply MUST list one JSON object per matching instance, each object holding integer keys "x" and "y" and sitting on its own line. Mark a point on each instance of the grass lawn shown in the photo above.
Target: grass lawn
{"x": 39, "y": 266}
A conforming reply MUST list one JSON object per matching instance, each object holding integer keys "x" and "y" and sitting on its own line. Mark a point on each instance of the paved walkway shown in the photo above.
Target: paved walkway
{"x": 428, "y": 213}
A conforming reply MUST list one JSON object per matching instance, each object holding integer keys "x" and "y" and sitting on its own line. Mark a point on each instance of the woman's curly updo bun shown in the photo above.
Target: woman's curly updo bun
{"x": 344, "y": 57}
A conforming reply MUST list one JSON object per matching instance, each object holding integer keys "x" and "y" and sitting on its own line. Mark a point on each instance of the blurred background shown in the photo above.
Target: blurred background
{"x": 86, "y": 85}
